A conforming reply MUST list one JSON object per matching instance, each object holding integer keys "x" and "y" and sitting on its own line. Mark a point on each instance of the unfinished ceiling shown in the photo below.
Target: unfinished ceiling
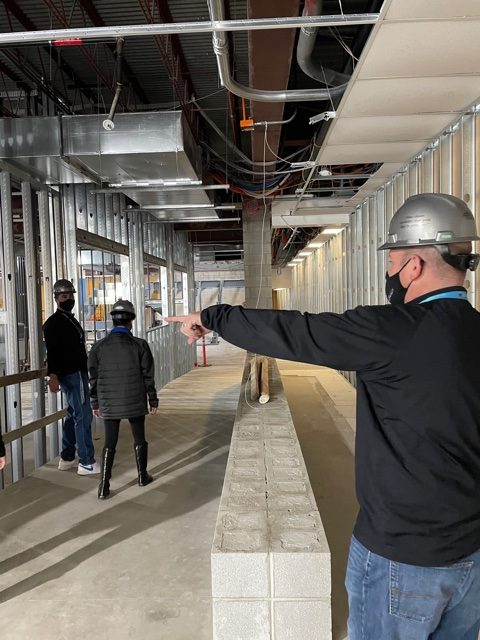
{"x": 392, "y": 87}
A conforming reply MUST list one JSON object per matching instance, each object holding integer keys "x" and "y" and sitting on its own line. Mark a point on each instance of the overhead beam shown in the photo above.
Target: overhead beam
{"x": 278, "y": 47}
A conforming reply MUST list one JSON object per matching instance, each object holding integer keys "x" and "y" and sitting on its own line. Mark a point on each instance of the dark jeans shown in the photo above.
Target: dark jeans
{"x": 395, "y": 601}
{"x": 77, "y": 426}
{"x": 112, "y": 427}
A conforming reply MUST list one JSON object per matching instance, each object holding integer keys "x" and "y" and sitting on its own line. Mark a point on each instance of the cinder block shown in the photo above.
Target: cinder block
{"x": 241, "y": 620}
{"x": 240, "y": 575}
{"x": 301, "y": 575}
{"x": 309, "y": 620}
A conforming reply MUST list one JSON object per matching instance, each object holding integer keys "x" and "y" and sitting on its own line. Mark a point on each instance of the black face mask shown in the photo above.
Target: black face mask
{"x": 394, "y": 289}
{"x": 67, "y": 305}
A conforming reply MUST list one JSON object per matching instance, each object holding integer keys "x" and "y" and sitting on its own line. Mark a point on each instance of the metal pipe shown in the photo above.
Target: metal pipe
{"x": 221, "y": 49}
{"x": 108, "y": 124}
{"x": 272, "y": 122}
{"x": 182, "y": 28}
{"x": 305, "y": 46}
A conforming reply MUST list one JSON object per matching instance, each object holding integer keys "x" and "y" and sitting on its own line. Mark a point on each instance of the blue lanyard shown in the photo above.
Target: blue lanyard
{"x": 456, "y": 295}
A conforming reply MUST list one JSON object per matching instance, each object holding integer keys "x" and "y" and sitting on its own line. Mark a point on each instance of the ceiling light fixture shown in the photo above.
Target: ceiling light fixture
{"x": 333, "y": 231}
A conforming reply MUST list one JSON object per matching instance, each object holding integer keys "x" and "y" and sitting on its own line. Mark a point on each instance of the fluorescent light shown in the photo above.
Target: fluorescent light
{"x": 291, "y": 264}
{"x": 315, "y": 245}
{"x": 160, "y": 183}
{"x": 188, "y": 205}
{"x": 333, "y": 231}
{"x": 298, "y": 260}
{"x": 305, "y": 253}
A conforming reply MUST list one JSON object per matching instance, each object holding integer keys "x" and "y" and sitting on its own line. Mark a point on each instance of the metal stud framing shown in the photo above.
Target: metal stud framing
{"x": 350, "y": 264}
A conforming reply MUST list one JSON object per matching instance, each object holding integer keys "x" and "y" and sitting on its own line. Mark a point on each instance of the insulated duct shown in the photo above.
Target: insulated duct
{"x": 306, "y": 43}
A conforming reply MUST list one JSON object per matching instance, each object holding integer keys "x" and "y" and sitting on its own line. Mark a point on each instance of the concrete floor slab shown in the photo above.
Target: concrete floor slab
{"x": 136, "y": 565}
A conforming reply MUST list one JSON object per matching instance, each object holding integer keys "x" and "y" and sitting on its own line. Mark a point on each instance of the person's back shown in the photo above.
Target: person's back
{"x": 123, "y": 375}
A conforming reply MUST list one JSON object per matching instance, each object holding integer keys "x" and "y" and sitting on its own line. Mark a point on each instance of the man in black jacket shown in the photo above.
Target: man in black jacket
{"x": 67, "y": 370}
{"x": 122, "y": 375}
{"x": 414, "y": 563}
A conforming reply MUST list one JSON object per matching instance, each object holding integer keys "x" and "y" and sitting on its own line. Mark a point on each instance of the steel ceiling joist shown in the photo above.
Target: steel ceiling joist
{"x": 25, "y": 21}
{"x": 98, "y": 21}
{"x": 62, "y": 18}
{"x": 172, "y": 57}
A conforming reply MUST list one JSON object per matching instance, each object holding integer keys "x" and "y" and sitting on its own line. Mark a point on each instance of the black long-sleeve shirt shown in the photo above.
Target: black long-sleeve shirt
{"x": 418, "y": 413}
{"x": 2, "y": 447}
{"x": 65, "y": 342}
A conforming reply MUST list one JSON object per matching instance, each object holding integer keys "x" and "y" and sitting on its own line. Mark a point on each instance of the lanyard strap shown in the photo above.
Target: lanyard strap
{"x": 456, "y": 295}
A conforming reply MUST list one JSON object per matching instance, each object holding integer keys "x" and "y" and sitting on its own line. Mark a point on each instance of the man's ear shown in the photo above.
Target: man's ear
{"x": 418, "y": 264}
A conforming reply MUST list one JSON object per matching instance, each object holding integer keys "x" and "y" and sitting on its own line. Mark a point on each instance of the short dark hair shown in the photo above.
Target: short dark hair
{"x": 120, "y": 322}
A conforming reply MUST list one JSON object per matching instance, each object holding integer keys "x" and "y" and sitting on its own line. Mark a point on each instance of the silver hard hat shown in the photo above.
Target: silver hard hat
{"x": 123, "y": 309}
{"x": 63, "y": 286}
{"x": 430, "y": 218}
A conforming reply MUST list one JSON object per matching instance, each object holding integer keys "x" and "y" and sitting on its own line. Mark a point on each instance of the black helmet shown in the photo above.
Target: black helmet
{"x": 123, "y": 310}
{"x": 63, "y": 286}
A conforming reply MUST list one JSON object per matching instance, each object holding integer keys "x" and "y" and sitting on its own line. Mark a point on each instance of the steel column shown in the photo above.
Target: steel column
{"x": 12, "y": 365}
{"x": 54, "y": 402}
{"x": 34, "y": 314}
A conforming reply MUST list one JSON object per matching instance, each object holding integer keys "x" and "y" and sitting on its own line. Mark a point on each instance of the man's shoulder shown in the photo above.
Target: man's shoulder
{"x": 54, "y": 319}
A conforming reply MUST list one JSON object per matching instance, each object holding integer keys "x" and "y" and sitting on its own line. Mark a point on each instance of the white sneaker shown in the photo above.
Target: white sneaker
{"x": 64, "y": 465}
{"x": 88, "y": 469}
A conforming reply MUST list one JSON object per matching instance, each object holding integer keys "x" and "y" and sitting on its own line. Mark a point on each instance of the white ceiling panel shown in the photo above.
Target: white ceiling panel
{"x": 440, "y": 9}
{"x": 419, "y": 70}
{"x": 388, "y": 128}
{"x": 423, "y": 49}
{"x": 359, "y": 153}
{"x": 402, "y": 96}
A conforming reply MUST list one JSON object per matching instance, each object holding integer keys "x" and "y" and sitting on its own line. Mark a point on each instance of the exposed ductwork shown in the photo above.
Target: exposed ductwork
{"x": 306, "y": 43}
{"x": 221, "y": 49}
{"x": 143, "y": 149}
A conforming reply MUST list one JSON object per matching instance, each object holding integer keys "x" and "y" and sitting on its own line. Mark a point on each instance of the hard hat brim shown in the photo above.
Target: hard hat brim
{"x": 422, "y": 243}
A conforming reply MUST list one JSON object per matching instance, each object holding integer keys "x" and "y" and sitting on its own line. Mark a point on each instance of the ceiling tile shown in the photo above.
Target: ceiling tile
{"x": 400, "y": 9}
{"x": 382, "y": 152}
{"x": 388, "y": 128}
{"x": 412, "y": 49}
{"x": 400, "y": 96}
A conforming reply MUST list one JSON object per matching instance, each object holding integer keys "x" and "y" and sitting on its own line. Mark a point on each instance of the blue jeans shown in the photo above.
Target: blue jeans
{"x": 77, "y": 426}
{"x": 394, "y": 601}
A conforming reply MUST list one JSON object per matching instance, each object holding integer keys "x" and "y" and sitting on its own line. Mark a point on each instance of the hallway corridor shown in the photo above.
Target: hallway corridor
{"x": 139, "y": 563}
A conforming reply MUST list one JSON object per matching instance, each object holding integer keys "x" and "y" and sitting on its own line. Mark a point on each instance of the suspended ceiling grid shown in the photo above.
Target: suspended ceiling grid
{"x": 417, "y": 73}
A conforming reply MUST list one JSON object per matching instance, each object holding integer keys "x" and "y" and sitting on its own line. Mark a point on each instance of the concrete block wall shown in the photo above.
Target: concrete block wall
{"x": 270, "y": 559}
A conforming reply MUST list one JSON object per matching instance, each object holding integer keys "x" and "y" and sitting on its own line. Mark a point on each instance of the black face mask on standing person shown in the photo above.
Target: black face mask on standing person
{"x": 67, "y": 305}
{"x": 394, "y": 289}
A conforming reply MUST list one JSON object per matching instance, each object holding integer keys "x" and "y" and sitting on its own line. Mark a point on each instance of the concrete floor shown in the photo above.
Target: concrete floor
{"x": 138, "y": 565}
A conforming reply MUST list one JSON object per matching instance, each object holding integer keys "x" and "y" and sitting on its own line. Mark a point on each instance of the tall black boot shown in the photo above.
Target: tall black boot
{"x": 108, "y": 456}
{"x": 141, "y": 456}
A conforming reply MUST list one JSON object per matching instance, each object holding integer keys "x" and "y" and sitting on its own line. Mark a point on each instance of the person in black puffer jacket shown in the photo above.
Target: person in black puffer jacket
{"x": 122, "y": 374}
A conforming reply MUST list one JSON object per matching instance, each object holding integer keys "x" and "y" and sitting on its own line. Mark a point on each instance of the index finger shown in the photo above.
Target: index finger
{"x": 175, "y": 318}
